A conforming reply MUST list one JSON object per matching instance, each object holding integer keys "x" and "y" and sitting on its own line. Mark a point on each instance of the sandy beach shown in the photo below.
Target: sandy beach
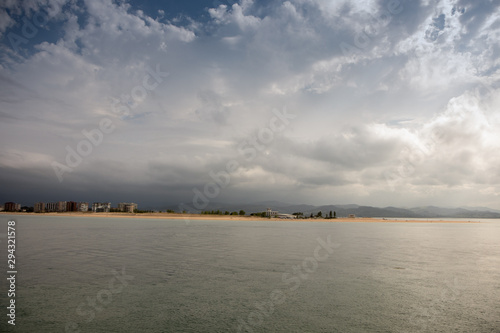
{"x": 177, "y": 216}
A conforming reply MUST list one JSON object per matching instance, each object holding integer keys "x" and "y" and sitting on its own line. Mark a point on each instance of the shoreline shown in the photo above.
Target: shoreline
{"x": 178, "y": 216}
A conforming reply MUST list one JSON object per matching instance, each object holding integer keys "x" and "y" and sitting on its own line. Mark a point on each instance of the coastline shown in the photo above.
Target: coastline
{"x": 178, "y": 216}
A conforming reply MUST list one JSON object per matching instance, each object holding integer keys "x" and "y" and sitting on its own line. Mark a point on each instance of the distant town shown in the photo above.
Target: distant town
{"x": 105, "y": 207}
{"x": 70, "y": 206}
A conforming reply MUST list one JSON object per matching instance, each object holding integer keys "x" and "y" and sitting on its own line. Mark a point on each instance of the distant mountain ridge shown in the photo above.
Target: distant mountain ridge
{"x": 361, "y": 211}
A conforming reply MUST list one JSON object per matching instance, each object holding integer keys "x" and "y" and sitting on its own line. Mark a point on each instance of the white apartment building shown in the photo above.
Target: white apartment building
{"x": 102, "y": 207}
{"x": 83, "y": 206}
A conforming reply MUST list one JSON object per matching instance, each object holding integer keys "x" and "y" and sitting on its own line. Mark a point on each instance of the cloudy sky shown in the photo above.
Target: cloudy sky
{"x": 374, "y": 102}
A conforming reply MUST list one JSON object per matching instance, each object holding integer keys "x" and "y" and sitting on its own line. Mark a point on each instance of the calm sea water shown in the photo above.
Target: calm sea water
{"x": 148, "y": 275}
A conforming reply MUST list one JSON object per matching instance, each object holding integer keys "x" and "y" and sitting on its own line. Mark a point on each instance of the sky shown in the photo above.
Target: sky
{"x": 373, "y": 102}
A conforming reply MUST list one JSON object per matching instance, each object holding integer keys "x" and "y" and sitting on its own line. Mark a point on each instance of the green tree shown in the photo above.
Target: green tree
{"x": 334, "y": 214}
{"x": 242, "y": 212}
{"x": 320, "y": 214}
{"x": 331, "y": 214}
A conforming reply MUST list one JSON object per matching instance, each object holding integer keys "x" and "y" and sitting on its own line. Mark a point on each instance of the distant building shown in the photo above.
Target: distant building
{"x": 39, "y": 207}
{"x": 271, "y": 213}
{"x": 12, "y": 207}
{"x": 83, "y": 207}
{"x": 352, "y": 216}
{"x": 101, "y": 207}
{"x": 71, "y": 206}
{"x": 51, "y": 207}
{"x": 127, "y": 207}
{"x": 61, "y": 206}
{"x": 286, "y": 216}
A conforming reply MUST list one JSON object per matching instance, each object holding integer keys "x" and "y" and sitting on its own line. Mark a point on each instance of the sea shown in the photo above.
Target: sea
{"x": 89, "y": 274}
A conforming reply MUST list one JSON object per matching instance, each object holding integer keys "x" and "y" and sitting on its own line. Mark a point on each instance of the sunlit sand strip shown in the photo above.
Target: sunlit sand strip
{"x": 174, "y": 216}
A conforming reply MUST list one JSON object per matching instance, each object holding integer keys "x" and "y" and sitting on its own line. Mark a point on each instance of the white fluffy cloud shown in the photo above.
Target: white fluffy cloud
{"x": 407, "y": 113}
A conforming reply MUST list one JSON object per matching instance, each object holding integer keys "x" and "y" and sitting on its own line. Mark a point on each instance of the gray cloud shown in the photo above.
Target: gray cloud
{"x": 405, "y": 101}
